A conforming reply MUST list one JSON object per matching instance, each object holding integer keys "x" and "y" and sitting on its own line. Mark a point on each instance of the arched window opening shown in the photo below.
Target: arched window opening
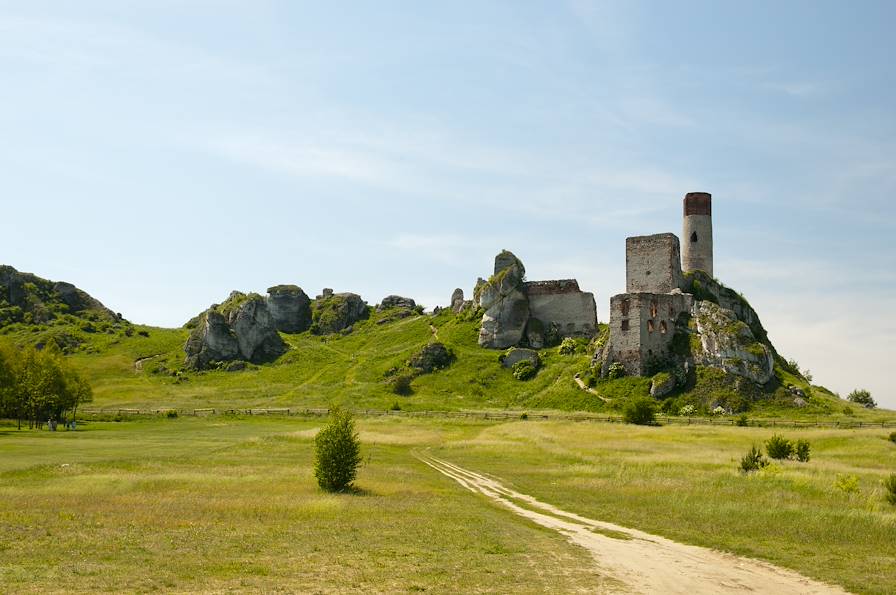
{"x": 663, "y": 328}
{"x": 653, "y": 308}
{"x": 650, "y": 327}
{"x": 694, "y": 237}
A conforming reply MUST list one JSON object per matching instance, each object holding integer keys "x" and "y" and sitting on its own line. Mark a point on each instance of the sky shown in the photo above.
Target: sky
{"x": 160, "y": 154}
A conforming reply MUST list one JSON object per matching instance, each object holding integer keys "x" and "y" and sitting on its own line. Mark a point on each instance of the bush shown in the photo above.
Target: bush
{"x": 337, "y": 452}
{"x": 396, "y": 406}
{"x": 171, "y": 413}
{"x": 616, "y": 370}
{"x": 893, "y": 437}
{"x": 890, "y": 486}
{"x": 862, "y": 397}
{"x": 779, "y": 447}
{"x": 848, "y": 411}
{"x": 524, "y": 370}
{"x": 753, "y": 460}
{"x": 687, "y": 411}
{"x": 401, "y": 385}
{"x": 847, "y": 483}
{"x": 801, "y": 451}
{"x": 568, "y": 346}
{"x": 640, "y": 411}
{"x": 742, "y": 420}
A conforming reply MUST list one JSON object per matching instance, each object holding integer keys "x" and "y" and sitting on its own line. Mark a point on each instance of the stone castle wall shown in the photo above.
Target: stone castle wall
{"x": 573, "y": 312}
{"x": 642, "y": 326}
{"x": 653, "y": 264}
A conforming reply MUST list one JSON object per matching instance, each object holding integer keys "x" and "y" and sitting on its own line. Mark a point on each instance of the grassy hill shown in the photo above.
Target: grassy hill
{"x": 134, "y": 366}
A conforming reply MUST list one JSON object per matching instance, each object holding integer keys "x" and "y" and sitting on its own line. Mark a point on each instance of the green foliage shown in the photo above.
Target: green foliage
{"x": 617, "y": 370}
{"x": 171, "y": 414}
{"x": 640, "y": 411}
{"x": 779, "y": 447}
{"x": 892, "y": 437}
{"x": 687, "y": 411}
{"x": 848, "y": 411}
{"x": 801, "y": 450}
{"x": 401, "y": 384}
{"x": 847, "y": 483}
{"x": 396, "y": 406}
{"x": 572, "y": 346}
{"x": 40, "y": 386}
{"x": 753, "y": 460}
{"x": 742, "y": 420}
{"x": 524, "y": 370}
{"x": 862, "y": 397}
{"x": 337, "y": 452}
{"x": 432, "y": 357}
{"x": 890, "y": 487}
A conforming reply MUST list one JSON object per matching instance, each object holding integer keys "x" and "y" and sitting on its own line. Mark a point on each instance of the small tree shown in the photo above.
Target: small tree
{"x": 753, "y": 460}
{"x": 779, "y": 447}
{"x": 640, "y": 411}
{"x": 337, "y": 452}
{"x": 862, "y": 397}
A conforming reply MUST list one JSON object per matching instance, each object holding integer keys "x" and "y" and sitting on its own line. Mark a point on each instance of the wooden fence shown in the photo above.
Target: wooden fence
{"x": 497, "y": 415}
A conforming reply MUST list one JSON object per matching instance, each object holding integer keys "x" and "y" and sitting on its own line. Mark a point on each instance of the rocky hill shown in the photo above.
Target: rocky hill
{"x": 27, "y": 298}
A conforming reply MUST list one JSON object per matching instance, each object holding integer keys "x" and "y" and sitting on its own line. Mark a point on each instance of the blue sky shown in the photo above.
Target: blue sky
{"x": 160, "y": 154}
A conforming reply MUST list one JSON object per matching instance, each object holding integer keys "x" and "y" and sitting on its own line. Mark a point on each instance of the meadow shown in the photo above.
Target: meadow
{"x": 229, "y": 503}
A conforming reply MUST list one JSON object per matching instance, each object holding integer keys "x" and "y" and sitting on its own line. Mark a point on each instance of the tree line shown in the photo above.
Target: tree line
{"x": 40, "y": 386}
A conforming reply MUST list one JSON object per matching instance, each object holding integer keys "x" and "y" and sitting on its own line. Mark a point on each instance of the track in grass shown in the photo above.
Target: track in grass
{"x": 642, "y": 562}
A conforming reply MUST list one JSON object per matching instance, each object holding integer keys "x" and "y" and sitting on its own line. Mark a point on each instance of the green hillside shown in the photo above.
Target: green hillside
{"x": 133, "y": 366}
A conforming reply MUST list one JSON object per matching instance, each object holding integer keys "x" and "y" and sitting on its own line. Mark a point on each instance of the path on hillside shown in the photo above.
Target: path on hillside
{"x": 642, "y": 562}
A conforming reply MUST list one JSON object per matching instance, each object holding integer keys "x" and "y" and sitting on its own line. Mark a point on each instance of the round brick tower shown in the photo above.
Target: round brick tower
{"x": 696, "y": 239}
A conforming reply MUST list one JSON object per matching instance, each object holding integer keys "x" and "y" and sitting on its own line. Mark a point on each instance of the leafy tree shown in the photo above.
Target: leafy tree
{"x": 862, "y": 397}
{"x": 779, "y": 447}
{"x": 338, "y": 452}
{"x": 753, "y": 460}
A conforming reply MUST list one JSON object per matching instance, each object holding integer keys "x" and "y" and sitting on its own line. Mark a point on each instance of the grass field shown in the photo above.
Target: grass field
{"x": 230, "y": 504}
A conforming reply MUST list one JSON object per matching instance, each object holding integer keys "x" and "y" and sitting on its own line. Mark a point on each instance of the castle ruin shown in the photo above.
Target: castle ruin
{"x": 643, "y": 320}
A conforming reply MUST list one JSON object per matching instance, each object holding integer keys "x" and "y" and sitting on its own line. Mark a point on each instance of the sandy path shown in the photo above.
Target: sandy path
{"x": 644, "y": 563}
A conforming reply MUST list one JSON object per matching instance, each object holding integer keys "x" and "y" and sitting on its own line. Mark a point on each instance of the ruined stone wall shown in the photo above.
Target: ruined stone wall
{"x": 642, "y": 326}
{"x": 572, "y": 311}
{"x": 653, "y": 264}
{"x": 551, "y": 287}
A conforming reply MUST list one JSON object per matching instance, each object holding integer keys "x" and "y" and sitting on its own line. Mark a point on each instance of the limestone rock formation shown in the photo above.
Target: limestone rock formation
{"x": 506, "y": 306}
{"x": 396, "y": 301}
{"x": 239, "y": 329}
{"x": 457, "y": 300}
{"x": 290, "y": 308}
{"x": 336, "y": 312}
{"x": 728, "y": 343}
{"x": 519, "y": 354}
{"x": 28, "y": 298}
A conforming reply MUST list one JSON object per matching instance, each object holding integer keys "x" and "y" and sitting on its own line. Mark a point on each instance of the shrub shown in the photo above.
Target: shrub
{"x": 848, "y": 411}
{"x": 616, "y": 370}
{"x": 568, "y": 346}
{"x": 524, "y": 416}
{"x": 779, "y": 447}
{"x": 396, "y": 406}
{"x": 801, "y": 451}
{"x": 753, "y": 460}
{"x": 401, "y": 384}
{"x": 171, "y": 413}
{"x": 337, "y": 452}
{"x": 742, "y": 420}
{"x": 719, "y": 410}
{"x": 524, "y": 370}
{"x": 640, "y": 411}
{"x": 893, "y": 437}
{"x": 687, "y": 411}
{"x": 862, "y": 397}
{"x": 890, "y": 486}
{"x": 847, "y": 483}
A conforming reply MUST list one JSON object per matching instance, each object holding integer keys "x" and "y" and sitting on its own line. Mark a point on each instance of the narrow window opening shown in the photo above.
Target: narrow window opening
{"x": 694, "y": 237}
{"x": 653, "y": 309}
{"x": 663, "y": 328}
{"x": 650, "y": 327}
{"x": 625, "y": 325}
{"x": 623, "y": 306}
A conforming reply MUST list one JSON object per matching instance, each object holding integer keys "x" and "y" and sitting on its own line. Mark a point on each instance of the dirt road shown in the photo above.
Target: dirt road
{"x": 641, "y": 562}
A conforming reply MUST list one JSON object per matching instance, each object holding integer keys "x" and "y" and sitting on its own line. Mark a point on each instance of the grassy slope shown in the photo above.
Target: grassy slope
{"x": 319, "y": 371}
{"x": 229, "y": 504}
{"x": 350, "y": 370}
